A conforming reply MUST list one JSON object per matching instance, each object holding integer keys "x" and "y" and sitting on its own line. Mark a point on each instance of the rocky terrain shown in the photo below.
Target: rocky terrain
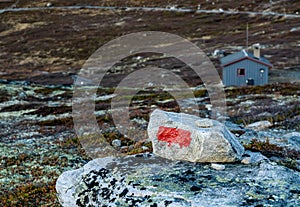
{"x": 111, "y": 182}
{"x": 41, "y": 50}
{"x": 38, "y": 142}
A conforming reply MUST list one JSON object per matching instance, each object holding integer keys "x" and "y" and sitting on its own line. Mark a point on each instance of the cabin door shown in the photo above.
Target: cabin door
{"x": 250, "y": 82}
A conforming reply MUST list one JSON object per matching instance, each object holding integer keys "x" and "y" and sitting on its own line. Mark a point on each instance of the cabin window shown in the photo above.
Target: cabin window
{"x": 241, "y": 71}
{"x": 262, "y": 71}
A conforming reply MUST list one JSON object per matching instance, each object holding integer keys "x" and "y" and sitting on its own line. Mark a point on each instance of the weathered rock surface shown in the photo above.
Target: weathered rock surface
{"x": 253, "y": 157}
{"x": 146, "y": 180}
{"x": 293, "y": 140}
{"x": 179, "y": 136}
{"x": 260, "y": 125}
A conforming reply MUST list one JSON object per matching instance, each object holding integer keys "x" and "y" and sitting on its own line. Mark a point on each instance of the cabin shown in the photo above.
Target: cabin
{"x": 245, "y": 68}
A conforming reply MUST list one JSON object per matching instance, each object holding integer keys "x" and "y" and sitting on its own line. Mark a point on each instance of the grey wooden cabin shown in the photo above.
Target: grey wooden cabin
{"x": 244, "y": 68}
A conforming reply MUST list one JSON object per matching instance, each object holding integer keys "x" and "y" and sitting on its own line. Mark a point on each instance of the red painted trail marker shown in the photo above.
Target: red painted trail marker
{"x": 174, "y": 135}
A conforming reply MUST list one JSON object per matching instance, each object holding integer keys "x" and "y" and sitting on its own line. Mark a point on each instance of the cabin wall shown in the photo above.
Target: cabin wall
{"x": 252, "y": 70}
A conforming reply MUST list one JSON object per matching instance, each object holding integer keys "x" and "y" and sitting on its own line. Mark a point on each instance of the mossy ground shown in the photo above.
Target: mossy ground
{"x": 277, "y": 103}
{"x": 31, "y": 194}
{"x": 61, "y": 154}
{"x": 287, "y": 157}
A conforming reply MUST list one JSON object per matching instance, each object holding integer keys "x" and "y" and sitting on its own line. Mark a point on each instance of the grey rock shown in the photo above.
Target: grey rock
{"x": 293, "y": 139}
{"x": 253, "y": 157}
{"x": 179, "y": 136}
{"x": 49, "y": 4}
{"x": 145, "y": 148}
{"x": 260, "y": 125}
{"x": 116, "y": 143}
{"x": 147, "y": 180}
{"x": 294, "y": 29}
{"x": 22, "y": 95}
{"x": 265, "y": 114}
{"x": 217, "y": 166}
{"x": 246, "y": 160}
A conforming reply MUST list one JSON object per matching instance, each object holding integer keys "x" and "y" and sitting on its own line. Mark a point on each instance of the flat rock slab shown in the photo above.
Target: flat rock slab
{"x": 179, "y": 136}
{"x": 146, "y": 180}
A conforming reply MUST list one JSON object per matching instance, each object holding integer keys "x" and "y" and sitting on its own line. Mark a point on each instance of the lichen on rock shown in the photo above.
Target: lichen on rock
{"x": 148, "y": 180}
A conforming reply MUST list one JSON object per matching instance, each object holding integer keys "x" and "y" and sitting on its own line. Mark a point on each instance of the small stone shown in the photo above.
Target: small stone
{"x": 217, "y": 166}
{"x": 120, "y": 23}
{"x": 49, "y": 4}
{"x": 144, "y": 148}
{"x": 204, "y": 123}
{"x": 208, "y": 107}
{"x": 116, "y": 143}
{"x": 246, "y": 160}
{"x": 22, "y": 95}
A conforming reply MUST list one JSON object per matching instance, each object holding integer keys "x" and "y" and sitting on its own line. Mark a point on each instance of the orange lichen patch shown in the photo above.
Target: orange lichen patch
{"x": 30, "y": 194}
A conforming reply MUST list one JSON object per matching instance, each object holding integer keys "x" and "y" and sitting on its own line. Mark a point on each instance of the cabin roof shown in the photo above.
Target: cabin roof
{"x": 239, "y": 56}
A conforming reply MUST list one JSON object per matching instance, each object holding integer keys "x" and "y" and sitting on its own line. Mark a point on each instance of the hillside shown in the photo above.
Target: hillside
{"x": 57, "y": 40}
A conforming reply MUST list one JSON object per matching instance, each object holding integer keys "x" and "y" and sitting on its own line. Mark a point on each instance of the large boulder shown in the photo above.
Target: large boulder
{"x": 179, "y": 136}
{"x": 146, "y": 181}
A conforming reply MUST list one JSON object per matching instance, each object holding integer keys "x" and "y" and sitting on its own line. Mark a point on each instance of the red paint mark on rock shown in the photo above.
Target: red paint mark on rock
{"x": 174, "y": 135}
